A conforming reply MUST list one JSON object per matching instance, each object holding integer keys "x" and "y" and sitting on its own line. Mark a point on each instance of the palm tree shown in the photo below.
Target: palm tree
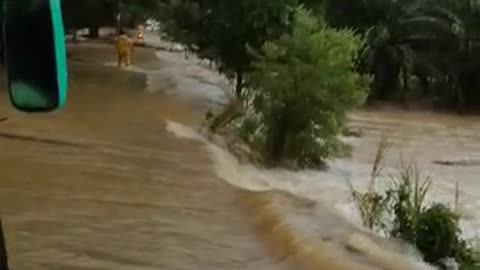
{"x": 3, "y": 250}
{"x": 459, "y": 78}
{"x": 397, "y": 34}
{"x": 396, "y": 43}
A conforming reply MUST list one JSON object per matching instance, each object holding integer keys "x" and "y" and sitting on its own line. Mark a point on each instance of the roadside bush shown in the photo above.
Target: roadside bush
{"x": 302, "y": 85}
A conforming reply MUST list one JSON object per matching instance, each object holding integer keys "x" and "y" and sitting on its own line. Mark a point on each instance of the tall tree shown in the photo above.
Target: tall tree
{"x": 225, "y": 31}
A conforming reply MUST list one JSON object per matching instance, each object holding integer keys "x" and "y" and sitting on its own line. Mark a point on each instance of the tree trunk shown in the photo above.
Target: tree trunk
{"x": 2, "y": 53}
{"x": 405, "y": 91}
{"x": 3, "y": 250}
{"x": 2, "y": 47}
{"x": 234, "y": 110}
{"x": 239, "y": 84}
{"x": 278, "y": 139}
{"x": 460, "y": 99}
{"x": 277, "y": 145}
{"x": 132, "y": 23}
{"x": 75, "y": 35}
{"x": 119, "y": 23}
{"x": 93, "y": 32}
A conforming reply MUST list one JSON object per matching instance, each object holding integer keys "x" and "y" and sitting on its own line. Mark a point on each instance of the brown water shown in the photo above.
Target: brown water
{"x": 425, "y": 138}
{"x": 101, "y": 185}
{"x": 110, "y": 182}
{"x": 419, "y": 137}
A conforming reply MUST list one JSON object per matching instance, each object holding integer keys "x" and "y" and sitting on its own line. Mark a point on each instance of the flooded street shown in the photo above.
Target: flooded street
{"x": 102, "y": 185}
{"x": 119, "y": 179}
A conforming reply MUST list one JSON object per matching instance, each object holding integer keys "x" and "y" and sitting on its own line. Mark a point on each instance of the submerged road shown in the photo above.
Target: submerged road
{"x": 102, "y": 184}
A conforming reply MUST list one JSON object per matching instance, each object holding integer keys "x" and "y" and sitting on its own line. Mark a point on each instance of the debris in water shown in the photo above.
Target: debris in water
{"x": 461, "y": 162}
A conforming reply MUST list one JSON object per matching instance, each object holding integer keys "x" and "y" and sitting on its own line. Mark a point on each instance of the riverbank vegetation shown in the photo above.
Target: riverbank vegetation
{"x": 414, "y": 52}
{"x": 300, "y": 89}
{"x": 400, "y": 210}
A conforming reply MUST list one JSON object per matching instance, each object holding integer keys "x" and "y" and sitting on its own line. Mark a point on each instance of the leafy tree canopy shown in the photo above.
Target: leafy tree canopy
{"x": 225, "y": 31}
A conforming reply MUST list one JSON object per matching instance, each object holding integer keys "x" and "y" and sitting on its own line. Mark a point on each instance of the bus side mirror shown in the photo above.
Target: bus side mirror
{"x": 35, "y": 54}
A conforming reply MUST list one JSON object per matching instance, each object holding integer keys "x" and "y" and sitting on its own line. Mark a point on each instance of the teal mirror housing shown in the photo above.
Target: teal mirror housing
{"x": 35, "y": 54}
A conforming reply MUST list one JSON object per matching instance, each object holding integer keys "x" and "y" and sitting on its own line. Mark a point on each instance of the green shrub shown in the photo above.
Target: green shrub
{"x": 438, "y": 236}
{"x": 408, "y": 194}
{"x": 302, "y": 86}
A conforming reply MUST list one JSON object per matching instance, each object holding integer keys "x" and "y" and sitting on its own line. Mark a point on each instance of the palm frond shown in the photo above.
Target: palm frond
{"x": 408, "y": 58}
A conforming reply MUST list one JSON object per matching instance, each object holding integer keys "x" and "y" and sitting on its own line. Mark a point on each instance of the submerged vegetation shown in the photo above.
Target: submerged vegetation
{"x": 401, "y": 211}
{"x": 301, "y": 87}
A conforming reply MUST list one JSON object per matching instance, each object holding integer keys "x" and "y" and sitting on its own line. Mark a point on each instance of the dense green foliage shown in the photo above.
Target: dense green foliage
{"x": 225, "y": 31}
{"x": 302, "y": 85}
{"x": 418, "y": 50}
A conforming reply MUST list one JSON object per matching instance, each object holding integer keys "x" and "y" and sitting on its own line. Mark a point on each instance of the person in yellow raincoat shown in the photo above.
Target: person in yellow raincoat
{"x": 124, "y": 48}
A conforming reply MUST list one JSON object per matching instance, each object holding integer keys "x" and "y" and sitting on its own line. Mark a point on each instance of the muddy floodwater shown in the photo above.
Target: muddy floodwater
{"x": 120, "y": 179}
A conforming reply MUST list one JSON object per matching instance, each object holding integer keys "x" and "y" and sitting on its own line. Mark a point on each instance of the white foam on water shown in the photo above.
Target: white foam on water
{"x": 183, "y": 132}
{"x": 226, "y": 165}
{"x": 190, "y": 80}
{"x": 132, "y": 68}
{"x": 308, "y": 184}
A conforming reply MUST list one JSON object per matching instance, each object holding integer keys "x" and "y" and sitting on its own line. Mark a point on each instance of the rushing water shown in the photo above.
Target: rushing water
{"x": 120, "y": 179}
{"x": 419, "y": 137}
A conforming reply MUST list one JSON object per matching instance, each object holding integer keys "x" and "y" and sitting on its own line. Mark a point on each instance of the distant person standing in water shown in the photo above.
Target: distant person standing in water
{"x": 124, "y": 47}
